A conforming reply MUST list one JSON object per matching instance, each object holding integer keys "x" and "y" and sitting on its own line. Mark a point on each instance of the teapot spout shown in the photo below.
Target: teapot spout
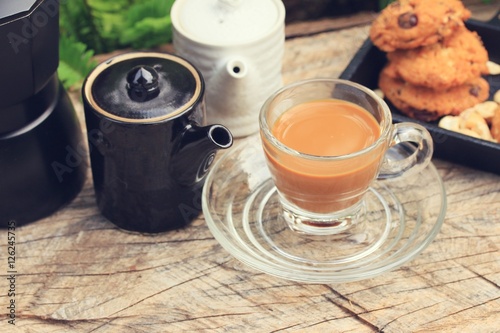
{"x": 233, "y": 93}
{"x": 196, "y": 152}
{"x": 236, "y": 68}
{"x": 219, "y": 136}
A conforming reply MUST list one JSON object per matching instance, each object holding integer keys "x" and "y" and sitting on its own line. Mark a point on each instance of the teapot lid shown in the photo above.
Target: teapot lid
{"x": 143, "y": 87}
{"x": 227, "y": 22}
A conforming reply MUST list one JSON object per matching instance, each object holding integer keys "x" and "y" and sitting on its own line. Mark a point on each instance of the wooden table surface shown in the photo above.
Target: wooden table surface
{"x": 79, "y": 273}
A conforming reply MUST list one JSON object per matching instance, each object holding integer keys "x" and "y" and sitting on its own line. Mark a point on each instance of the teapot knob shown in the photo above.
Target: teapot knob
{"x": 142, "y": 83}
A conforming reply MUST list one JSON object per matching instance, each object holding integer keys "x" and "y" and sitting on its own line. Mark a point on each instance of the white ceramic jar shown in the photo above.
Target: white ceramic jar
{"x": 238, "y": 46}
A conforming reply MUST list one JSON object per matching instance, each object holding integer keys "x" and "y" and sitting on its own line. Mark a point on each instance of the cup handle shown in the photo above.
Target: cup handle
{"x": 411, "y": 149}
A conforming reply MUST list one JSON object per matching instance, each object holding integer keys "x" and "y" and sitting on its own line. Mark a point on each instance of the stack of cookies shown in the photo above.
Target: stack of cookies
{"x": 434, "y": 62}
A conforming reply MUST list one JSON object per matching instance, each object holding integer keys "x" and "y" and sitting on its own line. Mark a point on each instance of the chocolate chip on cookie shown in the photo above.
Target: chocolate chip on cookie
{"x": 407, "y": 20}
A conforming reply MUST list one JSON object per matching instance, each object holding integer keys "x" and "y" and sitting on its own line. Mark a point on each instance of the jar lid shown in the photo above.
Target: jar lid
{"x": 143, "y": 87}
{"x": 227, "y": 22}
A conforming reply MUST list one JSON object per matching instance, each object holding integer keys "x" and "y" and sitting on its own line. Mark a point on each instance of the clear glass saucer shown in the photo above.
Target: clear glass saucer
{"x": 242, "y": 210}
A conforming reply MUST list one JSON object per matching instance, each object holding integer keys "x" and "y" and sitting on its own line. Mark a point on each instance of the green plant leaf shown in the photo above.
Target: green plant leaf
{"x": 107, "y": 25}
{"x": 147, "y": 24}
{"x": 147, "y": 33}
{"x": 75, "y": 62}
{"x": 75, "y": 21}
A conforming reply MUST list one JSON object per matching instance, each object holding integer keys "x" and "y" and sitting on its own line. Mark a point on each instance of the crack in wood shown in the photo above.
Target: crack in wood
{"x": 448, "y": 315}
{"x": 350, "y": 312}
{"x": 407, "y": 314}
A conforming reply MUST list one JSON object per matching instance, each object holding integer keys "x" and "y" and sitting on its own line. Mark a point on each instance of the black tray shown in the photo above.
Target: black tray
{"x": 455, "y": 147}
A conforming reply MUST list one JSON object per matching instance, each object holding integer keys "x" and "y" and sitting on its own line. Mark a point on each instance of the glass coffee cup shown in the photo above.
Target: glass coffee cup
{"x": 326, "y": 141}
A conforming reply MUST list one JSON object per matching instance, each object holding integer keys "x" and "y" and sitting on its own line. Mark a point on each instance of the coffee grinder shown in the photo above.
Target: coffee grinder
{"x": 42, "y": 153}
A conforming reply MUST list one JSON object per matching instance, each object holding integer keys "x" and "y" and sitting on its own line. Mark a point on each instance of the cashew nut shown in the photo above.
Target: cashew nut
{"x": 496, "y": 97}
{"x": 493, "y": 68}
{"x": 379, "y": 93}
{"x": 495, "y": 125}
{"x": 473, "y": 121}
{"x": 485, "y": 109}
{"x": 450, "y": 123}
{"x": 470, "y": 122}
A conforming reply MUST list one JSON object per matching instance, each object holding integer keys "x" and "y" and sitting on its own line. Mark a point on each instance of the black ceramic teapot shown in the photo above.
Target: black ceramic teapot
{"x": 150, "y": 149}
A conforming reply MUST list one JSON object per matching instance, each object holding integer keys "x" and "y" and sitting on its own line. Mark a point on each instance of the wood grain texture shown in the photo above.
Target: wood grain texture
{"x": 79, "y": 273}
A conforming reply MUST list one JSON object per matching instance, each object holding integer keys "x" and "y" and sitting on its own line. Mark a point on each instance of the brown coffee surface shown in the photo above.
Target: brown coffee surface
{"x": 325, "y": 128}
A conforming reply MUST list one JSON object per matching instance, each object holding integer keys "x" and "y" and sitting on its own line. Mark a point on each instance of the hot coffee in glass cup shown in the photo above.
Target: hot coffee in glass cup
{"x": 326, "y": 141}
